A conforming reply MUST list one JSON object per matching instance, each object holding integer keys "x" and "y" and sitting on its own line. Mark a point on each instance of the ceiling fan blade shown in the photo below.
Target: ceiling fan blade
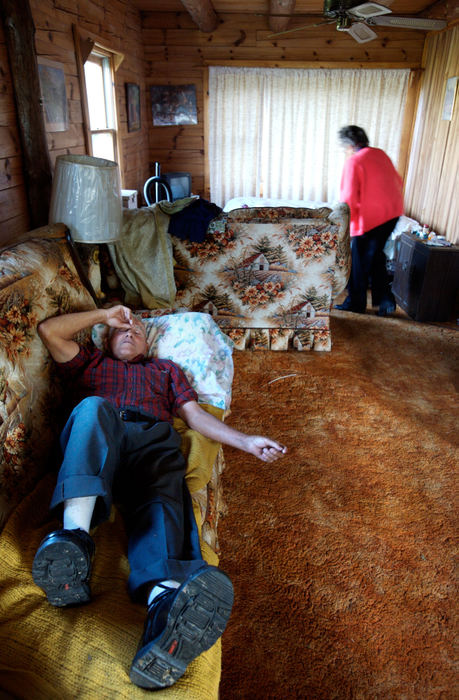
{"x": 299, "y": 29}
{"x": 408, "y": 22}
{"x": 361, "y": 33}
{"x": 369, "y": 9}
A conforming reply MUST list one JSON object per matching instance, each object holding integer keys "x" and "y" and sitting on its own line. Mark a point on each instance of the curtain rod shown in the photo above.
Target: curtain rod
{"x": 313, "y": 64}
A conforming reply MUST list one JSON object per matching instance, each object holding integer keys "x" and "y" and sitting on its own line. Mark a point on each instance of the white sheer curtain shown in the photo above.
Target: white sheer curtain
{"x": 273, "y": 132}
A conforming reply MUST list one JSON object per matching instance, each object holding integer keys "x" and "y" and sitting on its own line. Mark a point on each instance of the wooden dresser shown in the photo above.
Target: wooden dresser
{"x": 426, "y": 279}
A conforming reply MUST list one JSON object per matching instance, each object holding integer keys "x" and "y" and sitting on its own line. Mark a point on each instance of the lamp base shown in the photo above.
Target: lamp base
{"x": 80, "y": 267}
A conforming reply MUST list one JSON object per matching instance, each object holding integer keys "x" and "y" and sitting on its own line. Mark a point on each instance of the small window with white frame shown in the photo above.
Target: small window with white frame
{"x": 100, "y": 93}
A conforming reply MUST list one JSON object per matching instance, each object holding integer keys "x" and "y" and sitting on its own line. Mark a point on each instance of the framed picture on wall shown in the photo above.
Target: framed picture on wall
{"x": 53, "y": 94}
{"x": 133, "y": 106}
{"x": 173, "y": 104}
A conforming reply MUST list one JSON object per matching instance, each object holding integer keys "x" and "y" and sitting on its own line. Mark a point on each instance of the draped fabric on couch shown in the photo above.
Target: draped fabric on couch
{"x": 268, "y": 276}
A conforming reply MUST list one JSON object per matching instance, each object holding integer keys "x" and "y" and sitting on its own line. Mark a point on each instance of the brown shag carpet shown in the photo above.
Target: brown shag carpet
{"x": 342, "y": 553}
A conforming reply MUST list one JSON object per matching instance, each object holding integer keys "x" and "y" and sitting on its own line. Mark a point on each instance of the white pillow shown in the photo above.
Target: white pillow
{"x": 195, "y": 342}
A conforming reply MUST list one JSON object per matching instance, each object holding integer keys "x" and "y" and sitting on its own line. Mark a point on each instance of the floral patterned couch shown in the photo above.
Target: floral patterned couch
{"x": 268, "y": 275}
{"x": 38, "y": 279}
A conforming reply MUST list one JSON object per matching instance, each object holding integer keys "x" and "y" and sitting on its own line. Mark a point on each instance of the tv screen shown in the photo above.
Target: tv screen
{"x": 180, "y": 184}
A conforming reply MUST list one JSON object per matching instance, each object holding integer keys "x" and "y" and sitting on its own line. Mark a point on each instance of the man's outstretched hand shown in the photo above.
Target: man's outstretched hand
{"x": 264, "y": 448}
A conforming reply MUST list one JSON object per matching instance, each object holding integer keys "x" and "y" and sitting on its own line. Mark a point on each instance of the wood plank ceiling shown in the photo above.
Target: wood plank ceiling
{"x": 280, "y": 13}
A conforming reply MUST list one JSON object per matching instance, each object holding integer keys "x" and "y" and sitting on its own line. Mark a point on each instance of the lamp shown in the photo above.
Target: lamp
{"x": 86, "y": 197}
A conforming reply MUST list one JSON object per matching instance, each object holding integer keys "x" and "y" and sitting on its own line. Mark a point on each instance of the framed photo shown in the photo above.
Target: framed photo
{"x": 173, "y": 104}
{"x": 450, "y": 96}
{"x": 53, "y": 93}
{"x": 133, "y": 106}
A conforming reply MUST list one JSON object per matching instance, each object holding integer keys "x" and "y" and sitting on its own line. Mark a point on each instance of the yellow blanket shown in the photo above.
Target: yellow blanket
{"x": 85, "y": 652}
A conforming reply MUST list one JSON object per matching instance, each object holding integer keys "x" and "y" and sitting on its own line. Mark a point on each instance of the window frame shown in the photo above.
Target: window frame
{"x": 86, "y": 44}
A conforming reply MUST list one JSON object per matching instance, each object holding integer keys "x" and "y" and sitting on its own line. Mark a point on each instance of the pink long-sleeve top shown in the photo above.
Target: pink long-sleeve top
{"x": 372, "y": 188}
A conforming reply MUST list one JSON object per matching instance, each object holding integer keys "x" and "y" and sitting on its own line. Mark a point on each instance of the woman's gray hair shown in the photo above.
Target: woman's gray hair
{"x": 353, "y": 136}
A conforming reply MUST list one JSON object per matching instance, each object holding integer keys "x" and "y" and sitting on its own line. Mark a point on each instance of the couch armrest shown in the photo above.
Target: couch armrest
{"x": 37, "y": 280}
{"x": 50, "y": 232}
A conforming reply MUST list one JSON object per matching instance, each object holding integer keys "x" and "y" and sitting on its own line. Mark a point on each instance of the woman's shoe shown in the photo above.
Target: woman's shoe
{"x": 347, "y": 306}
{"x": 386, "y": 308}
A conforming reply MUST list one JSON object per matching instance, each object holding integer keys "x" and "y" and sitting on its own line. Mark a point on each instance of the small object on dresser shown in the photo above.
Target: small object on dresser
{"x": 129, "y": 199}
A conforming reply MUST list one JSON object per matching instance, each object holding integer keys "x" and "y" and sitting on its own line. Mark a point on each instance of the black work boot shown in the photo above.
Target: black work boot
{"x": 62, "y": 567}
{"x": 182, "y": 623}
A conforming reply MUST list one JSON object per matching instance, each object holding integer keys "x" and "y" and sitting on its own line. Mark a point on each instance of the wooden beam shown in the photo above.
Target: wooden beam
{"x": 280, "y": 12}
{"x": 19, "y": 39}
{"x": 202, "y": 13}
{"x": 441, "y": 9}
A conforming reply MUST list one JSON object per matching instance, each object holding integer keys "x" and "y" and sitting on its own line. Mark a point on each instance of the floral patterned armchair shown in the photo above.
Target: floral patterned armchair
{"x": 268, "y": 275}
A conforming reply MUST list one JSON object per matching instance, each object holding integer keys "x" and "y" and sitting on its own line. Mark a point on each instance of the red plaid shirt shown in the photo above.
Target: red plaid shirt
{"x": 148, "y": 385}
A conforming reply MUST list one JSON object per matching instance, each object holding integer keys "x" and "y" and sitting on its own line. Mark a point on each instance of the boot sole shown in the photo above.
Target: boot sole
{"x": 61, "y": 569}
{"x": 196, "y": 620}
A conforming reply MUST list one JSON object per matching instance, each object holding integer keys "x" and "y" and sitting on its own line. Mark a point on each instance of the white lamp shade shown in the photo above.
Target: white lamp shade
{"x": 86, "y": 197}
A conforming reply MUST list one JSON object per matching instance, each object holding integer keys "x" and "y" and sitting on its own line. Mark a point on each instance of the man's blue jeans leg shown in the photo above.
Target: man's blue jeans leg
{"x": 140, "y": 465}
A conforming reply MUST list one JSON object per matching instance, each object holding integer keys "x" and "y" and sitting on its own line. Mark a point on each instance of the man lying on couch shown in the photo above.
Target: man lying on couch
{"x": 119, "y": 445}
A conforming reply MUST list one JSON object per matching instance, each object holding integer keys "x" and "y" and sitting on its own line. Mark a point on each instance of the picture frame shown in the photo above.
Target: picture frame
{"x": 173, "y": 105}
{"x": 450, "y": 98}
{"x": 133, "y": 106}
{"x": 53, "y": 94}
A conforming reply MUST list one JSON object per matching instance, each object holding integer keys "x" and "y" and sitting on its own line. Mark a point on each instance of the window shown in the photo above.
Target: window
{"x": 274, "y": 132}
{"x": 97, "y": 65}
{"x": 98, "y": 72}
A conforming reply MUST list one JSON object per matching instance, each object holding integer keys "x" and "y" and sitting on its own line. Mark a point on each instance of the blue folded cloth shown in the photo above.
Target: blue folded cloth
{"x": 191, "y": 223}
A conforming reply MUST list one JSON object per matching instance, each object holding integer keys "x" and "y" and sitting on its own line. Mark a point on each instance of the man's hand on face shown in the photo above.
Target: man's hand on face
{"x": 128, "y": 341}
{"x": 119, "y": 317}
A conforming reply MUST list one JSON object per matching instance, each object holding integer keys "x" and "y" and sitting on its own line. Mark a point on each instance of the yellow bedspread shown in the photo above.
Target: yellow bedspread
{"x": 85, "y": 652}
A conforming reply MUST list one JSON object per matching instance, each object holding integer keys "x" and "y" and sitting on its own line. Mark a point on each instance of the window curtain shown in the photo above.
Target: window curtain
{"x": 273, "y": 132}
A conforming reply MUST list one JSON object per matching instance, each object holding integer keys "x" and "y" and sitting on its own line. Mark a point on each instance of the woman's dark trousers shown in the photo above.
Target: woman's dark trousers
{"x": 369, "y": 262}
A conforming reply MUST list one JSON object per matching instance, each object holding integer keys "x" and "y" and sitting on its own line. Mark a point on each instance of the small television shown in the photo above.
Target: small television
{"x": 179, "y": 183}
{"x": 170, "y": 186}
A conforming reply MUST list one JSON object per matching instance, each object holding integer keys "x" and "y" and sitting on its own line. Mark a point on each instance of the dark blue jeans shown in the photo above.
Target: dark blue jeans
{"x": 140, "y": 466}
{"x": 369, "y": 261}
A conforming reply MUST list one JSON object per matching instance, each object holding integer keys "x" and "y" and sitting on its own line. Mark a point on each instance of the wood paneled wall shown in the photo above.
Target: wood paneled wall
{"x": 14, "y": 217}
{"x": 167, "y": 48}
{"x": 177, "y": 53}
{"x": 117, "y": 24}
{"x": 433, "y": 176}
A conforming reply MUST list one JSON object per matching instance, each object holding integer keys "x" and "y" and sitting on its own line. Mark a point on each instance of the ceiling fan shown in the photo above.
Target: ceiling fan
{"x": 354, "y": 18}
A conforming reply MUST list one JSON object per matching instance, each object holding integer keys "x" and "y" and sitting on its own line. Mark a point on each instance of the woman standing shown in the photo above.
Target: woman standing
{"x": 372, "y": 188}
